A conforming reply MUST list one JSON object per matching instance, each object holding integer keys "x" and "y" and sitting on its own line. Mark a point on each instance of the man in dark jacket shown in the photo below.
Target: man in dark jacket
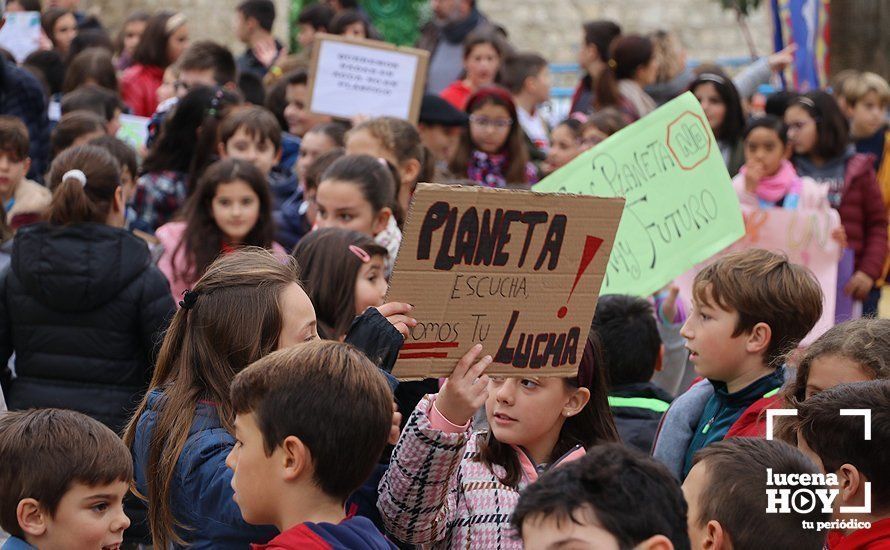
{"x": 83, "y": 307}
{"x": 632, "y": 351}
{"x": 443, "y": 37}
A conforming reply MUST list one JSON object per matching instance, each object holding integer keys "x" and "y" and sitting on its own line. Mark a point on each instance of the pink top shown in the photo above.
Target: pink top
{"x": 170, "y": 235}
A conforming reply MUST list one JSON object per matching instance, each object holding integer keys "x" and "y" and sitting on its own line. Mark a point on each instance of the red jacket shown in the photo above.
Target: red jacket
{"x": 876, "y": 538}
{"x": 864, "y": 216}
{"x": 457, "y": 93}
{"x": 139, "y": 86}
{"x": 752, "y": 423}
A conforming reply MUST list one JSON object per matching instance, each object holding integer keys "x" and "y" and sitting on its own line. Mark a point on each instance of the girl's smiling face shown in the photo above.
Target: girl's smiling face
{"x": 235, "y": 209}
{"x": 711, "y": 103}
{"x": 490, "y": 127}
{"x": 341, "y": 204}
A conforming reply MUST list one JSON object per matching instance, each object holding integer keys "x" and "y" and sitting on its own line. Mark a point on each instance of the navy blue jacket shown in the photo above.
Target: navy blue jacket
{"x": 201, "y": 492}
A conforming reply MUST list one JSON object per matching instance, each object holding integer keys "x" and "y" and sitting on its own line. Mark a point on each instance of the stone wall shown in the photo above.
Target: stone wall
{"x": 208, "y": 19}
{"x": 551, "y": 27}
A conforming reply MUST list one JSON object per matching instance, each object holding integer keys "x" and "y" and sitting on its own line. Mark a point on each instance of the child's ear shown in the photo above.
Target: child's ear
{"x": 852, "y": 485}
{"x": 658, "y": 542}
{"x": 410, "y": 170}
{"x": 296, "y": 458}
{"x": 381, "y": 220}
{"x": 715, "y": 537}
{"x": 759, "y": 338}
{"x": 119, "y": 202}
{"x": 27, "y": 163}
{"x": 221, "y": 150}
{"x": 31, "y": 516}
{"x": 576, "y": 402}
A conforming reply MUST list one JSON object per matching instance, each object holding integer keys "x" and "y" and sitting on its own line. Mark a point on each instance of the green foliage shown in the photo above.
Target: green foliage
{"x": 397, "y": 20}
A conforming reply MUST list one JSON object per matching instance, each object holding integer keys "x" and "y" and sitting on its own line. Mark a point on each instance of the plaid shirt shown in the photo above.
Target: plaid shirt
{"x": 22, "y": 96}
{"x": 159, "y": 195}
{"x": 437, "y": 494}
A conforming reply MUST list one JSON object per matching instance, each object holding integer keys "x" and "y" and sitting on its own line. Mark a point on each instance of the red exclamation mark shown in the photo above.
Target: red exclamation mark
{"x": 591, "y": 246}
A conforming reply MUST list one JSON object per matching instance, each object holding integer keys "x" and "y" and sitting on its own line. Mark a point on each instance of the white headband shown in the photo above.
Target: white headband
{"x": 76, "y": 174}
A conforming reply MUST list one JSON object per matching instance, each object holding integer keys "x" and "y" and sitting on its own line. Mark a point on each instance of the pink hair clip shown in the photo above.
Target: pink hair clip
{"x": 361, "y": 253}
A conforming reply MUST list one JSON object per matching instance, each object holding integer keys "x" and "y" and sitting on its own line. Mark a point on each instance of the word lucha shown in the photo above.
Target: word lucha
{"x": 537, "y": 350}
{"x": 469, "y": 240}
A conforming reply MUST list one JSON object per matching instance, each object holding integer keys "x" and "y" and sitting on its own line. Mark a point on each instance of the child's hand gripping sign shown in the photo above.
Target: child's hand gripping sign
{"x": 516, "y": 272}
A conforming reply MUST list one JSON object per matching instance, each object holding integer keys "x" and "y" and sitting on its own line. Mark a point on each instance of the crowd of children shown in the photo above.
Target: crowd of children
{"x": 196, "y": 348}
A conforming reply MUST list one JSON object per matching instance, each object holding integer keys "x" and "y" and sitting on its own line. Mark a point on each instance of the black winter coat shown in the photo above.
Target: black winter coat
{"x": 83, "y": 308}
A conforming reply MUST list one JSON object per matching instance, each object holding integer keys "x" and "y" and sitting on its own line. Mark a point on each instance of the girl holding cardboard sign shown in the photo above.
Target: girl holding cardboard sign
{"x": 535, "y": 423}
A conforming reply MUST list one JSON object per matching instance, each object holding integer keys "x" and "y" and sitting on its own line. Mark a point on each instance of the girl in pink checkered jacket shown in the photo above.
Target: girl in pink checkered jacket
{"x": 449, "y": 486}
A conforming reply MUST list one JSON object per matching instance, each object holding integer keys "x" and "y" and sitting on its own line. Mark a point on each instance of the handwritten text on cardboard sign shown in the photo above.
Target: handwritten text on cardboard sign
{"x": 516, "y": 271}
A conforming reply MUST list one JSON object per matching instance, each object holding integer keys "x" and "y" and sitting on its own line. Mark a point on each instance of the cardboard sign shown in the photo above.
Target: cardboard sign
{"x": 805, "y": 237}
{"x": 681, "y": 207}
{"x": 517, "y": 271}
{"x": 20, "y": 34}
{"x": 350, "y": 77}
{"x": 134, "y": 131}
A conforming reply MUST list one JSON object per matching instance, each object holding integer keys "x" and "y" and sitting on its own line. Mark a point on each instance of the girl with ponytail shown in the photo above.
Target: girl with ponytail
{"x": 631, "y": 66}
{"x": 88, "y": 293}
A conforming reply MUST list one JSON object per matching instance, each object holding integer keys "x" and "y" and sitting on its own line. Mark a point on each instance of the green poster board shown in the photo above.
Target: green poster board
{"x": 681, "y": 208}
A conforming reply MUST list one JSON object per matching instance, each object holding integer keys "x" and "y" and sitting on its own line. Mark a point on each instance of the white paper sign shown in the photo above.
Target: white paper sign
{"x": 366, "y": 78}
{"x": 20, "y": 35}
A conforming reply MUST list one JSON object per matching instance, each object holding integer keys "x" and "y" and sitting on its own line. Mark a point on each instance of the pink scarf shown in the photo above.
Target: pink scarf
{"x": 774, "y": 188}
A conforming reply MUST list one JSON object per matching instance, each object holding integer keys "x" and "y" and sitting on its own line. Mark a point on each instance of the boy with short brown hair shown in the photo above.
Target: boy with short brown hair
{"x": 528, "y": 78}
{"x": 311, "y": 423}
{"x": 253, "y": 134}
{"x": 727, "y": 492}
{"x": 751, "y": 308}
{"x": 24, "y": 200}
{"x": 63, "y": 481}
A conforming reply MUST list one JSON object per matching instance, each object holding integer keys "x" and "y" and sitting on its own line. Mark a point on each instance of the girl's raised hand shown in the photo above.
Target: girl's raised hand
{"x": 397, "y": 314}
{"x": 466, "y": 389}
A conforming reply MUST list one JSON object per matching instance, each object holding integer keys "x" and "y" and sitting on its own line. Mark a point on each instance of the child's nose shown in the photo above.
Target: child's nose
{"x": 685, "y": 331}
{"x": 121, "y": 522}
{"x": 506, "y": 392}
